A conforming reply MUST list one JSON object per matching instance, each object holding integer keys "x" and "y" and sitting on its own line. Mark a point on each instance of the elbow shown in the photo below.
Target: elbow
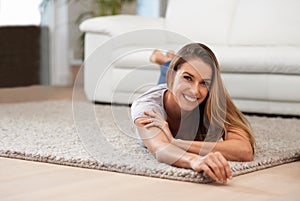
{"x": 247, "y": 155}
{"x": 159, "y": 157}
{"x": 158, "y": 153}
{"x": 247, "y": 158}
{"x": 163, "y": 155}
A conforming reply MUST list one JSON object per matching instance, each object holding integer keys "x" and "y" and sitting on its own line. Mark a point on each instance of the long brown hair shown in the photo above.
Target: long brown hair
{"x": 217, "y": 112}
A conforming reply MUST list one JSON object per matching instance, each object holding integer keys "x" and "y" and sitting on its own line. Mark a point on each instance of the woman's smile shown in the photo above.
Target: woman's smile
{"x": 189, "y": 98}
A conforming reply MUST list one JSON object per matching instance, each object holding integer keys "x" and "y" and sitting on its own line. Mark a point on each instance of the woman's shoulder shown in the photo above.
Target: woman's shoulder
{"x": 151, "y": 99}
{"x": 154, "y": 94}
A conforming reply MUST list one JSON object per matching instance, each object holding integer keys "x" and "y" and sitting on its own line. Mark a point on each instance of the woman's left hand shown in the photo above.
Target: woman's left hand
{"x": 156, "y": 120}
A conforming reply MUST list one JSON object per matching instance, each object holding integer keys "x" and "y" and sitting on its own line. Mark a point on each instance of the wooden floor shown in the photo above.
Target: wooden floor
{"x": 24, "y": 180}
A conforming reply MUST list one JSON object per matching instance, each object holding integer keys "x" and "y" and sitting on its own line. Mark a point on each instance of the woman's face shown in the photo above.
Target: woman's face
{"x": 191, "y": 84}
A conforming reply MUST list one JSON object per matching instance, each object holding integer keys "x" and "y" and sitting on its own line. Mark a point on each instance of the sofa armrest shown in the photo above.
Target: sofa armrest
{"x": 117, "y": 24}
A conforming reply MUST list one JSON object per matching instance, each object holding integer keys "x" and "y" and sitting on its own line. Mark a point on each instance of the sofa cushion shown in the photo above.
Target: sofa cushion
{"x": 201, "y": 20}
{"x": 275, "y": 60}
{"x": 118, "y": 24}
{"x": 255, "y": 59}
{"x": 267, "y": 22}
{"x": 263, "y": 87}
{"x": 139, "y": 57}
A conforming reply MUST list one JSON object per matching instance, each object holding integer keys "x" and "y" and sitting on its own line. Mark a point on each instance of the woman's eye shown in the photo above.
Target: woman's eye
{"x": 205, "y": 84}
{"x": 187, "y": 78}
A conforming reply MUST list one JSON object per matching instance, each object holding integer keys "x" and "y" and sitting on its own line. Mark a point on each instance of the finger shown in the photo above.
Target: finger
{"x": 155, "y": 111}
{"x": 226, "y": 165}
{"x": 152, "y": 115}
{"x": 217, "y": 159}
{"x": 222, "y": 170}
{"x": 216, "y": 166}
{"x": 146, "y": 121}
{"x": 210, "y": 161}
{"x": 149, "y": 125}
{"x": 153, "y": 124}
{"x": 158, "y": 114}
{"x": 155, "y": 117}
{"x": 160, "y": 126}
{"x": 209, "y": 172}
{"x": 149, "y": 113}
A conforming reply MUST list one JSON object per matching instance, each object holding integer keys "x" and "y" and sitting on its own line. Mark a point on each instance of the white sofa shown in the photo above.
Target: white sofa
{"x": 257, "y": 43}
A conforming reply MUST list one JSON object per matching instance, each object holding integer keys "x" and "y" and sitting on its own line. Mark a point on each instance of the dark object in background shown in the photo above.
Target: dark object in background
{"x": 24, "y": 56}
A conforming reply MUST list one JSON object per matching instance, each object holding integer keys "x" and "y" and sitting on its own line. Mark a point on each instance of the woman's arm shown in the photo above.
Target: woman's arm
{"x": 235, "y": 147}
{"x": 214, "y": 164}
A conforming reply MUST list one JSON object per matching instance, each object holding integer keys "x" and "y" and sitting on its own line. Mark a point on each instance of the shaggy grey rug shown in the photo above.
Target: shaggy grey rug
{"x": 103, "y": 138}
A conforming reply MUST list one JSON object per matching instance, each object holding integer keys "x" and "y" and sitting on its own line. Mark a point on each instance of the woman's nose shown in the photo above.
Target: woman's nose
{"x": 196, "y": 90}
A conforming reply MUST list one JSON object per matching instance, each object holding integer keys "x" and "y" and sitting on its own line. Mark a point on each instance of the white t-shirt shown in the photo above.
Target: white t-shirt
{"x": 151, "y": 99}
{"x": 154, "y": 99}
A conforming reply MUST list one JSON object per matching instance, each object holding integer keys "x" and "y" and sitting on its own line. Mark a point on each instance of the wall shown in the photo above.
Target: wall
{"x": 55, "y": 16}
{"x": 153, "y": 8}
{"x": 75, "y": 10}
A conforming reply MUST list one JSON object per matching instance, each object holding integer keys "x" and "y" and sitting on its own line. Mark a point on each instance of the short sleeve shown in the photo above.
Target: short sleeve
{"x": 152, "y": 99}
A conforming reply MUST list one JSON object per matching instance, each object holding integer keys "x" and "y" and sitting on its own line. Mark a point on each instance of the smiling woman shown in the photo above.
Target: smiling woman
{"x": 16, "y": 12}
{"x": 190, "y": 121}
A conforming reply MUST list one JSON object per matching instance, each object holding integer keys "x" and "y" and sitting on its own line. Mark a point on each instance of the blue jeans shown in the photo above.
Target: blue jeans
{"x": 163, "y": 72}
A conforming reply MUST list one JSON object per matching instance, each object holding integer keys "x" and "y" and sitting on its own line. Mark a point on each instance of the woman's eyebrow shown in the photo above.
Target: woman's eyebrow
{"x": 205, "y": 79}
{"x": 188, "y": 74}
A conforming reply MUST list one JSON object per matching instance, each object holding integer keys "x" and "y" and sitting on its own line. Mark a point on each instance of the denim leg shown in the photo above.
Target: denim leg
{"x": 163, "y": 72}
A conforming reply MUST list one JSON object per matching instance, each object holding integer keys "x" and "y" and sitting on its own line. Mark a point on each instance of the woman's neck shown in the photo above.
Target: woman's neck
{"x": 172, "y": 108}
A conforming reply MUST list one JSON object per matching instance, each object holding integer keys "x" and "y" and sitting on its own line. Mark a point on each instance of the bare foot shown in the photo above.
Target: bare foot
{"x": 159, "y": 58}
{"x": 170, "y": 54}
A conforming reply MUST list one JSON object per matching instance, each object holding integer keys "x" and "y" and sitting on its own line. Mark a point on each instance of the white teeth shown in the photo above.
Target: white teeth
{"x": 190, "y": 98}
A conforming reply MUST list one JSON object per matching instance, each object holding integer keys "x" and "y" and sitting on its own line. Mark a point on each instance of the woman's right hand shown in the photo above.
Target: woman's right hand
{"x": 157, "y": 120}
{"x": 214, "y": 165}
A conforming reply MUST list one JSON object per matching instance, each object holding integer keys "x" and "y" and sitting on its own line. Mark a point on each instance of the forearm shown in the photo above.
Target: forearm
{"x": 176, "y": 156}
{"x": 159, "y": 145}
{"x": 233, "y": 150}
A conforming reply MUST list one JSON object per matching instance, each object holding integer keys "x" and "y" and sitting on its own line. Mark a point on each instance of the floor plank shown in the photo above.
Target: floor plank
{"x": 34, "y": 93}
{"x": 25, "y": 180}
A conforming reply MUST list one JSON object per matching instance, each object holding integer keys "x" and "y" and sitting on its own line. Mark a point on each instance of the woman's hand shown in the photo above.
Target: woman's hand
{"x": 214, "y": 165}
{"x": 156, "y": 120}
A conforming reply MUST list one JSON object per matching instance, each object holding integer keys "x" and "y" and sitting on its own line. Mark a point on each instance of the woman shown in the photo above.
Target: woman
{"x": 190, "y": 121}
